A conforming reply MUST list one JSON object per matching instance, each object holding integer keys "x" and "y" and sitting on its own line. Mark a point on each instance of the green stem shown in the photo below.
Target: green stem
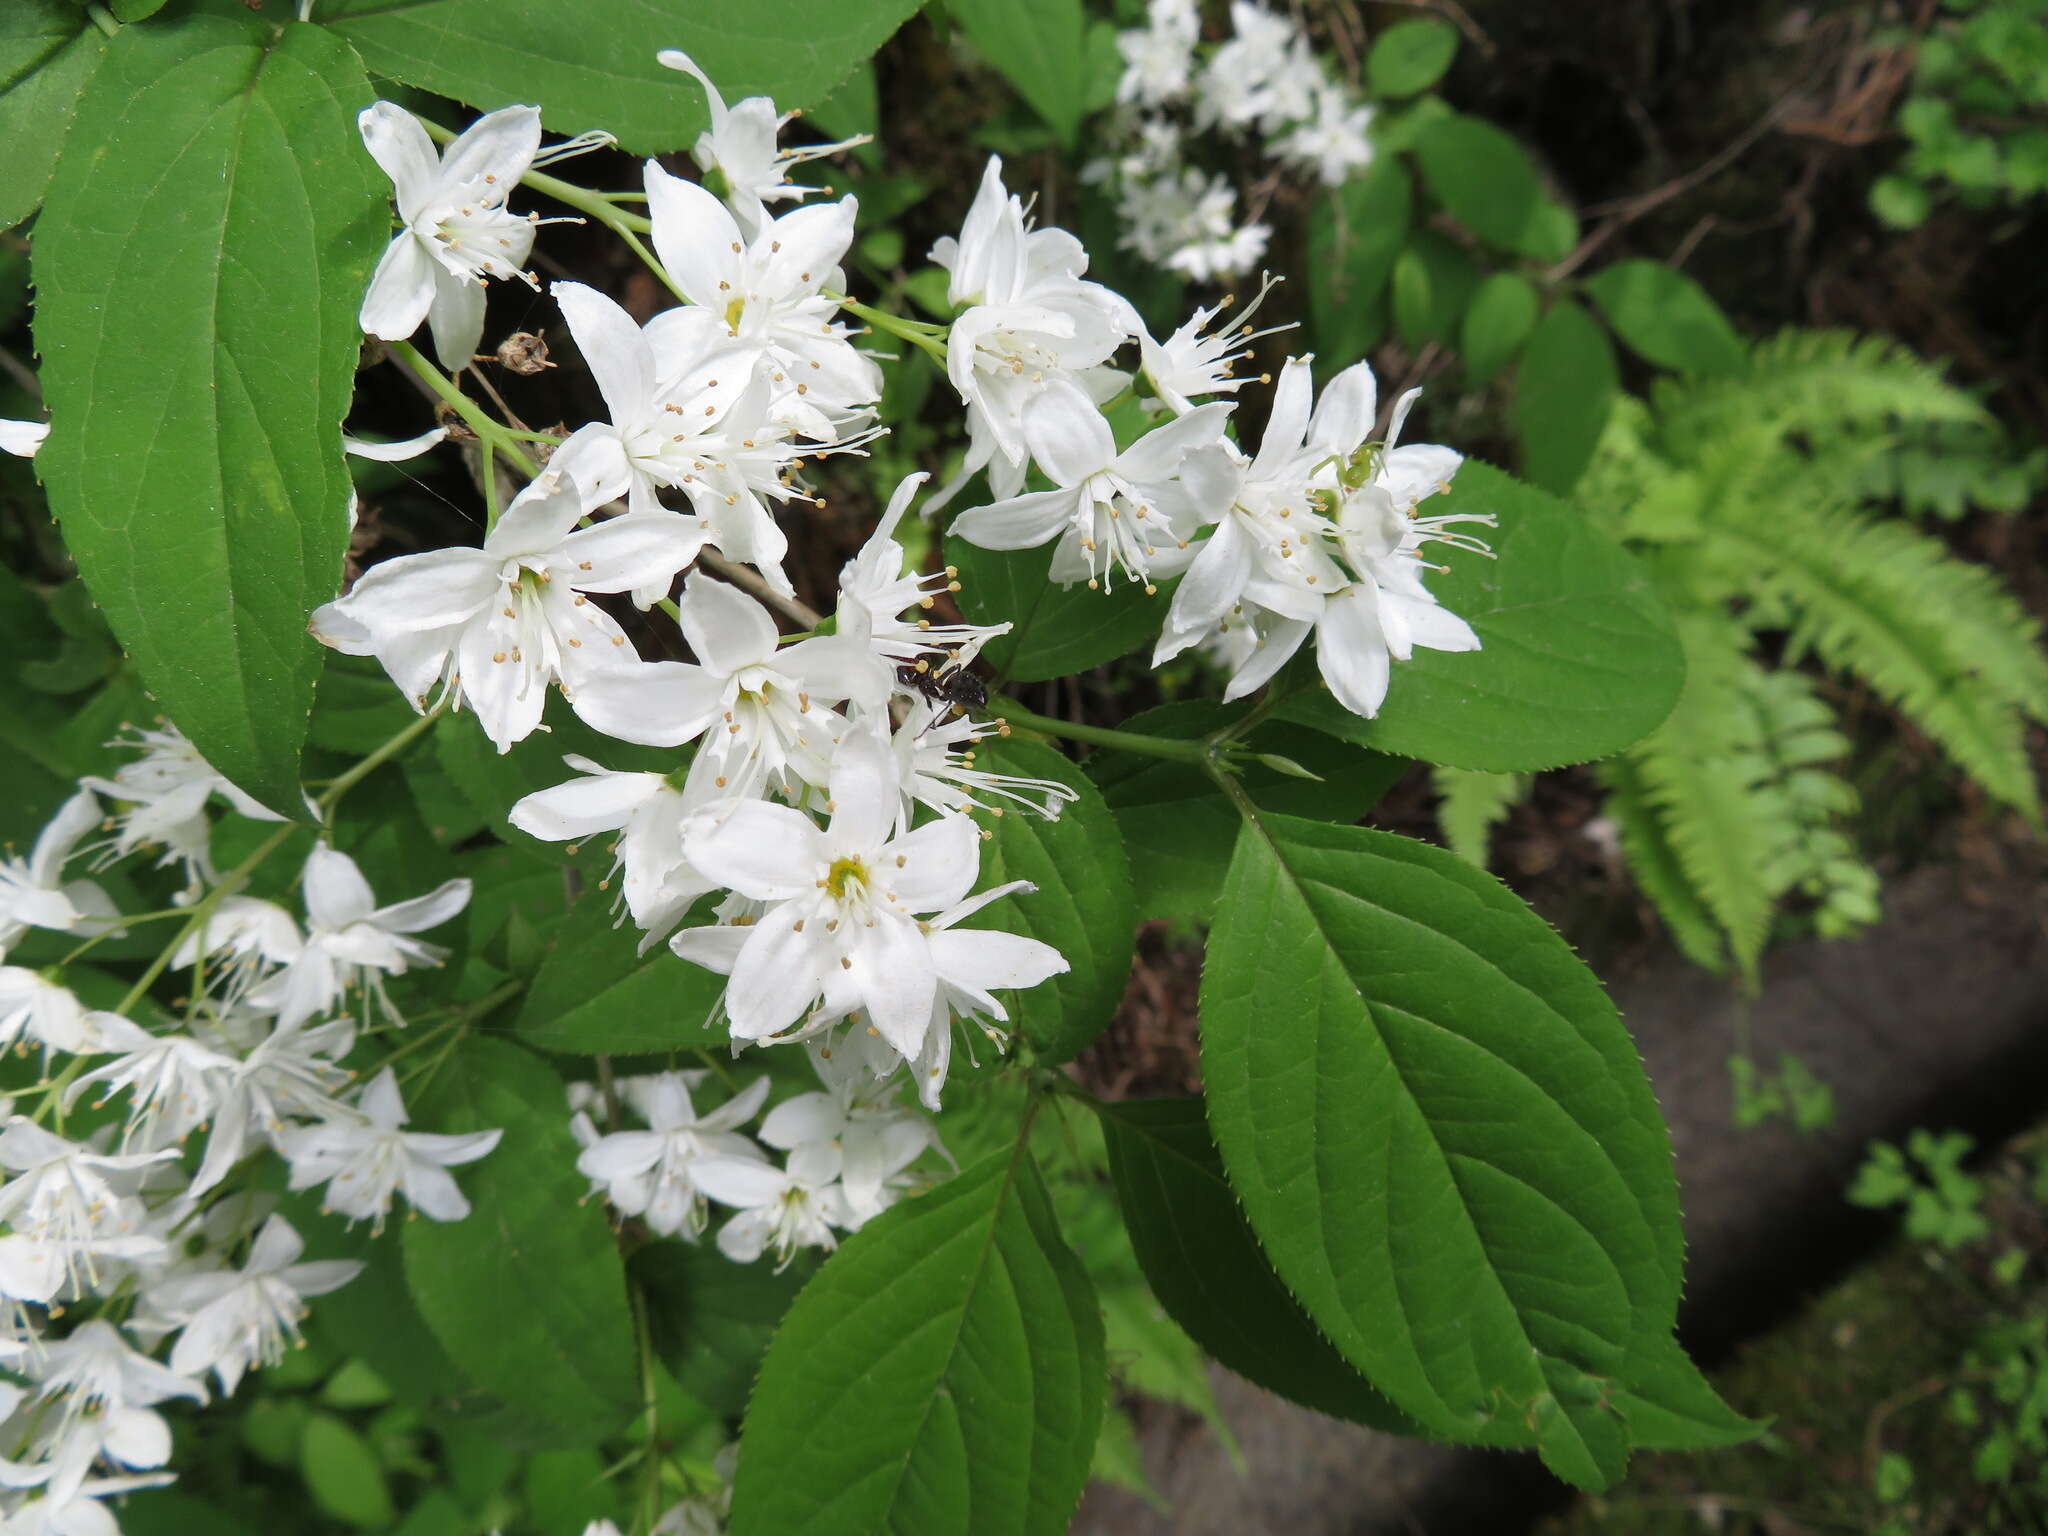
{"x": 380, "y": 757}
{"x": 101, "y": 18}
{"x": 650, "y": 1477}
{"x": 1200, "y": 753}
{"x": 489, "y": 432}
{"x": 927, "y": 338}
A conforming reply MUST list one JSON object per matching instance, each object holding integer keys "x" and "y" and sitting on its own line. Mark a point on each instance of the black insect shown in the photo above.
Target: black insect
{"x": 937, "y": 677}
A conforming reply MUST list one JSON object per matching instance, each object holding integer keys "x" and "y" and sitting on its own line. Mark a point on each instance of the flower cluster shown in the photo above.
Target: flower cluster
{"x": 139, "y": 1233}
{"x": 1265, "y": 80}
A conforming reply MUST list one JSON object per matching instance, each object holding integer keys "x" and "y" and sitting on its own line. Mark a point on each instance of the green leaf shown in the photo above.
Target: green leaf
{"x": 1179, "y": 827}
{"x": 526, "y": 1293}
{"x": 954, "y": 1346}
{"x": 1354, "y": 234}
{"x": 1667, "y": 318}
{"x": 1579, "y": 657}
{"x": 1442, "y": 1136}
{"x": 343, "y": 1474}
{"x": 1489, "y": 184}
{"x": 1205, "y": 1265}
{"x": 712, "y": 1319}
{"x": 49, "y": 50}
{"x": 1434, "y": 280}
{"x": 1670, "y": 1406}
{"x": 595, "y": 993}
{"x": 1041, "y": 49}
{"x": 136, "y": 10}
{"x": 198, "y": 267}
{"x": 590, "y": 66}
{"x": 1055, "y": 631}
{"x": 1563, "y": 392}
{"x": 1472, "y": 804}
{"x": 1083, "y": 906}
{"x": 1410, "y": 56}
{"x": 1498, "y": 320}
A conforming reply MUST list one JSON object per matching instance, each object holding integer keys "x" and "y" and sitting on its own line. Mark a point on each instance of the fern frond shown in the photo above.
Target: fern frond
{"x": 1939, "y": 638}
{"x": 1702, "y": 771}
{"x": 1811, "y": 384}
{"x": 1472, "y": 803}
{"x": 1655, "y": 865}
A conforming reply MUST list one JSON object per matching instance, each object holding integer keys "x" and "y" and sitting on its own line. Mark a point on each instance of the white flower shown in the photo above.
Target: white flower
{"x": 22, "y": 438}
{"x": 934, "y": 751}
{"x": 34, "y": 1009}
{"x": 765, "y": 715}
{"x": 787, "y": 1208}
{"x": 63, "y": 1206}
{"x": 174, "y": 1083}
{"x": 840, "y": 926}
{"x": 163, "y": 795}
{"x": 34, "y": 892}
{"x": 351, "y": 942}
{"x": 1263, "y": 75}
{"x": 457, "y": 230}
{"x": 1032, "y": 321}
{"x": 739, "y": 148}
{"x": 236, "y": 1319}
{"x": 290, "y": 1071}
{"x": 1333, "y": 140}
{"x": 647, "y": 810}
{"x": 498, "y": 624}
{"x": 1159, "y": 56}
{"x": 1189, "y": 363}
{"x": 107, "y": 1388}
{"x": 650, "y": 1173}
{"x": 365, "y": 1158}
{"x": 1112, "y": 511}
{"x": 878, "y": 586}
{"x": 876, "y": 1138}
{"x": 764, "y": 294}
{"x": 394, "y": 452}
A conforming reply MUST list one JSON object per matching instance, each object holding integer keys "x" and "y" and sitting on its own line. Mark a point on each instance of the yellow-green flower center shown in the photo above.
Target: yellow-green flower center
{"x": 844, "y": 876}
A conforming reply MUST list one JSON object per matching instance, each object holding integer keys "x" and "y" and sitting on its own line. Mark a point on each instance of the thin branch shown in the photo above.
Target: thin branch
{"x": 750, "y": 582}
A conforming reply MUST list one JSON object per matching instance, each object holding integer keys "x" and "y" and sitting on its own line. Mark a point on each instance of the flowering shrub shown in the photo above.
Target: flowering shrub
{"x": 1427, "y": 1188}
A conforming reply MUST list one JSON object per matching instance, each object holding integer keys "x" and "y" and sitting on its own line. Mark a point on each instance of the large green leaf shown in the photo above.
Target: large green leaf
{"x": 1563, "y": 392}
{"x": 48, "y": 51}
{"x": 954, "y": 1349}
{"x": 1442, "y": 1135}
{"x": 1578, "y": 655}
{"x": 1041, "y": 49}
{"x": 1354, "y": 234}
{"x": 1410, "y": 56}
{"x": 595, "y": 992}
{"x": 1054, "y": 630}
{"x": 1083, "y": 906}
{"x": 592, "y": 66}
{"x": 198, "y": 266}
{"x": 1667, "y": 317}
{"x": 711, "y": 1319}
{"x": 1499, "y": 320}
{"x": 1177, "y": 824}
{"x": 1206, "y": 1268}
{"x": 1490, "y": 185}
{"x": 527, "y": 1293}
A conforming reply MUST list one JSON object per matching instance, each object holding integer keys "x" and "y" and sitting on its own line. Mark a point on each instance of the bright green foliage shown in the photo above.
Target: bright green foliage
{"x": 1752, "y": 496}
{"x": 1055, "y": 630}
{"x": 527, "y": 1294}
{"x": 593, "y": 66}
{"x": 1578, "y": 658}
{"x": 1490, "y": 185}
{"x": 1354, "y": 237}
{"x": 1976, "y": 117}
{"x": 955, "y": 1349}
{"x": 1472, "y": 804}
{"x": 596, "y": 992}
{"x": 1506, "y": 1276}
{"x": 1502, "y": 314}
{"x": 1207, "y": 1269}
{"x": 199, "y": 335}
{"x": 49, "y": 49}
{"x": 1792, "y": 1091}
{"x": 1563, "y": 393}
{"x": 343, "y": 1474}
{"x": 1180, "y": 828}
{"x": 1410, "y": 56}
{"x": 1942, "y": 1203}
{"x": 1082, "y": 906}
{"x": 1667, "y": 317}
{"x": 1040, "y": 48}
